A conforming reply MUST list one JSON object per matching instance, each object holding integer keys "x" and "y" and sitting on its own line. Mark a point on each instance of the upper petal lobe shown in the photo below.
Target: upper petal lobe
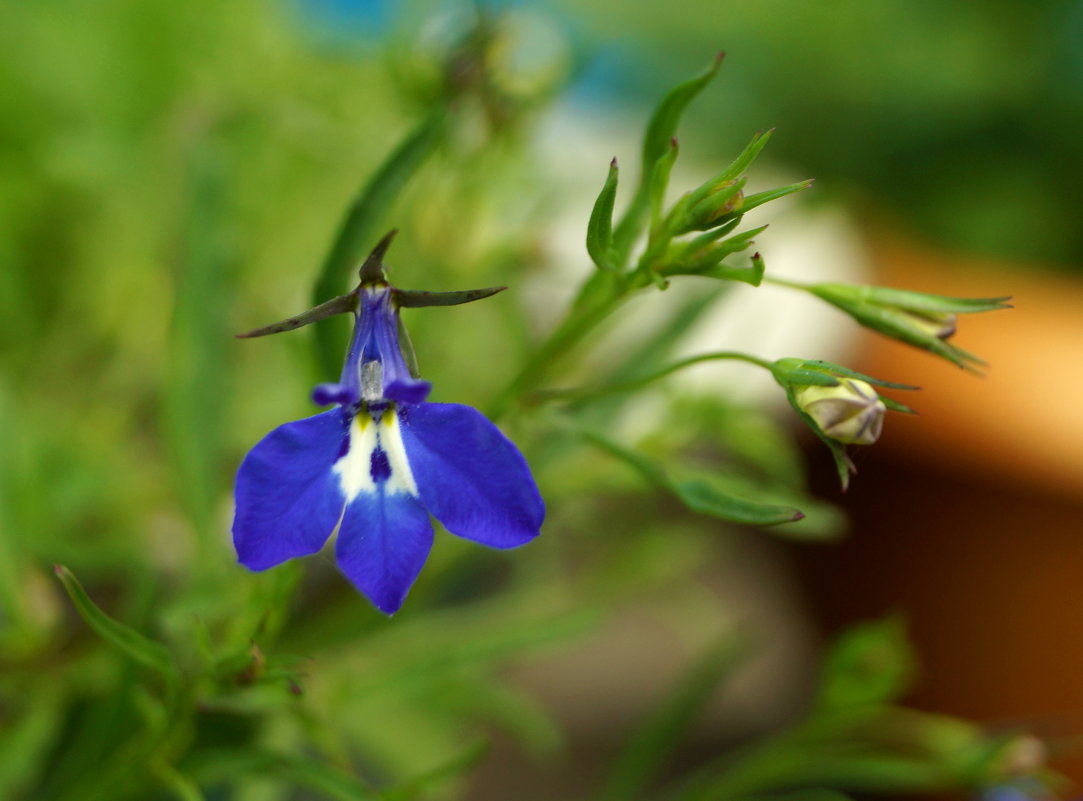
{"x": 288, "y": 500}
{"x": 470, "y": 476}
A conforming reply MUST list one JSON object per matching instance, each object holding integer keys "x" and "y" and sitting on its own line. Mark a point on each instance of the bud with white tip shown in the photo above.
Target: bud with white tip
{"x": 850, "y": 412}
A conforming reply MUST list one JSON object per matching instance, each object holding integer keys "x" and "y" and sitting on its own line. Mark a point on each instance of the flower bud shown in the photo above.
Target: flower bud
{"x": 917, "y": 318}
{"x": 938, "y": 324}
{"x": 850, "y": 412}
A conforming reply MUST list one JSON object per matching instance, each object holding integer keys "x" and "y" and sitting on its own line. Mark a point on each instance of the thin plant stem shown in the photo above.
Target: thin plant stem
{"x": 586, "y": 393}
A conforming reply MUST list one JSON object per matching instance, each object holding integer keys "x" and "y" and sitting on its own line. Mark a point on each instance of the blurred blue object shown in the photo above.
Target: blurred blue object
{"x": 347, "y": 19}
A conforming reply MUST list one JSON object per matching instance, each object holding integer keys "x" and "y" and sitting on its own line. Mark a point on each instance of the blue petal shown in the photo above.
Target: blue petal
{"x": 384, "y": 540}
{"x": 470, "y": 476}
{"x": 288, "y": 500}
{"x": 407, "y": 390}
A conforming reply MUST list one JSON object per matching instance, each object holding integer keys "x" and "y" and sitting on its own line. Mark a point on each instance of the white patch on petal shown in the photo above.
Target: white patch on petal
{"x": 354, "y": 469}
{"x": 402, "y": 479}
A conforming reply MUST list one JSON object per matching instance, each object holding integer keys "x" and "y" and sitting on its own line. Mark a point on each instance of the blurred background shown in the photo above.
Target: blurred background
{"x": 172, "y": 173}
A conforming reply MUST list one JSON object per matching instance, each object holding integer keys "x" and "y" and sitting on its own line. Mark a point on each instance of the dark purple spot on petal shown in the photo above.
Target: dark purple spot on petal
{"x": 379, "y": 466}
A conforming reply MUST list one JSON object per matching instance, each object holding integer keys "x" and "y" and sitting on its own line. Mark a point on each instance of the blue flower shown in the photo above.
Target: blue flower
{"x": 376, "y": 466}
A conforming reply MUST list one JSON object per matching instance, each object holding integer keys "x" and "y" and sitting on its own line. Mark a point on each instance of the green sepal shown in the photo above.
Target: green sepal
{"x": 731, "y": 173}
{"x": 895, "y": 406}
{"x": 726, "y": 201}
{"x": 908, "y": 316}
{"x": 750, "y": 202}
{"x": 141, "y": 649}
{"x": 406, "y": 347}
{"x": 697, "y": 494}
{"x": 844, "y": 466}
{"x": 700, "y": 257}
{"x": 803, "y": 367}
{"x": 411, "y": 299}
{"x": 899, "y": 324}
{"x": 372, "y": 269}
{"x": 343, "y": 304}
{"x": 912, "y": 301}
{"x": 752, "y": 275}
{"x": 600, "y": 227}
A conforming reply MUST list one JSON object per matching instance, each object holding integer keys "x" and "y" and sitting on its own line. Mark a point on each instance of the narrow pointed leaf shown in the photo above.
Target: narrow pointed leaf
{"x": 660, "y": 131}
{"x": 697, "y": 494}
{"x": 600, "y": 227}
{"x": 141, "y": 649}
{"x": 663, "y": 123}
{"x": 340, "y": 305}
{"x": 196, "y": 363}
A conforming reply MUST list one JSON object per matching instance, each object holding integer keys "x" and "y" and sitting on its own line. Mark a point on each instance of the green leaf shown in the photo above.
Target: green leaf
{"x": 697, "y": 494}
{"x": 706, "y": 498}
{"x": 144, "y": 651}
{"x": 872, "y": 663}
{"x": 658, "y": 182}
{"x": 667, "y": 116}
{"x": 236, "y": 765}
{"x": 656, "y": 141}
{"x": 600, "y": 227}
{"x": 32, "y": 723}
{"x": 643, "y": 757}
{"x": 423, "y": 785}
{"x": 191, "y": 409}
{"x": 365, "y": 218}
{"x": 182, "y": 787}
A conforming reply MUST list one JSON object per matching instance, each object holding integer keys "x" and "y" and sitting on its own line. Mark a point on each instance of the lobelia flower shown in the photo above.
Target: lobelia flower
{"x": 377, "y": 465}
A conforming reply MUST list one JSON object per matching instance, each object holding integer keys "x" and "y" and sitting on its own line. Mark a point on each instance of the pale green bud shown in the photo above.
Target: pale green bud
{"x": 850, "y": 412}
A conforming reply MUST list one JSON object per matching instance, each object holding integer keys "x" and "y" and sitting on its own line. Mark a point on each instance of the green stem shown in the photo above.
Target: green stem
{"x": 585, "y": 393}
{"x": 767, "y": 279}
{"x": 597, "y": 299}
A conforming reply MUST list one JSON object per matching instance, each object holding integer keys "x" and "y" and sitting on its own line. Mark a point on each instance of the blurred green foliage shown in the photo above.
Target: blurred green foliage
{"x": 962, "y": 120}
{"x": 171, "y": 173}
